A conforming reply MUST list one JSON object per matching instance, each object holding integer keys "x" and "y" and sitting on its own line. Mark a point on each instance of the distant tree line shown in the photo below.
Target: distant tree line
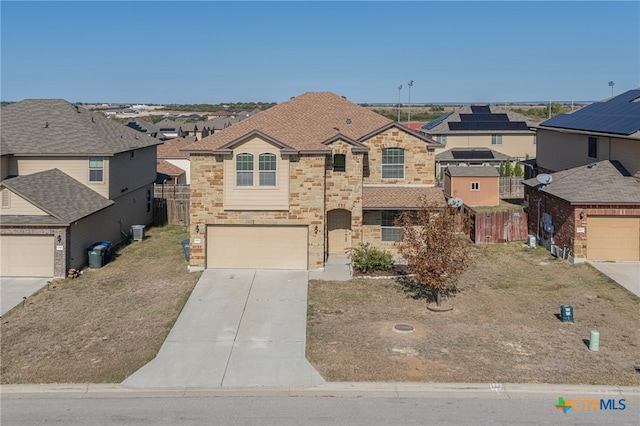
{"x": 231, "y": 107}
{"x": 542, "y": 113}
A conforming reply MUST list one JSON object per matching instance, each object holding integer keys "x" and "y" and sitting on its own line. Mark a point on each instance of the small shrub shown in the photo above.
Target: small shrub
{"x": 369, "y": 259}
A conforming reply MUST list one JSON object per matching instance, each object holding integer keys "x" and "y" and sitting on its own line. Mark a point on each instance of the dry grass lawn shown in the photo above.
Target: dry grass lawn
{"x": 503, "y": 328}
{"x": 104, "y": 325}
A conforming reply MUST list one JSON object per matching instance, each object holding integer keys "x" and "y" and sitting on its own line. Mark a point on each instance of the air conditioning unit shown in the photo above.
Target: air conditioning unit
{"x": 532, "y": 241}
{"x": 137, "y": 232}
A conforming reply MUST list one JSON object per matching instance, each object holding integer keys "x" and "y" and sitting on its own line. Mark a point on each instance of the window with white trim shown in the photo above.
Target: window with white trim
{"x": 441, "y": 139}
{"x": 496, "y": 139}
{"x": 390, "y": 232}
{"x": 475, "y": 186}
{"x": 96, "y": 169}
{"x": 393, "y": 163}
{"x": 244, "y": 169}
{"x": 267, "y": 169}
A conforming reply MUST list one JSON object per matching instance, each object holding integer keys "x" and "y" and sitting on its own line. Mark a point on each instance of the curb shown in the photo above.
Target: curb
{"x": 334, "y": 389}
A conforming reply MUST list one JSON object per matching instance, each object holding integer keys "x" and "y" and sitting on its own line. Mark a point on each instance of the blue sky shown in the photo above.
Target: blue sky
{"x": 216, "y": 51}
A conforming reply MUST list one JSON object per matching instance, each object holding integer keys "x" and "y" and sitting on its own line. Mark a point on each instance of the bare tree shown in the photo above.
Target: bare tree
{"x": 435, "y": 253}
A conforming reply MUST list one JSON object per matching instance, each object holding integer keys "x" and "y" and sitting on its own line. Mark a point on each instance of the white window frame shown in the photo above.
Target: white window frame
{"x": 475, "y": 186}
{"x": 389, "y": 232}
{"x": 441, "y": 139}
{"x": 95, "y": 168}
{"x": 496, "y": 139}
{"x": 264, "y": 173}
{"x": 391, "y": 168}
{"x": 247, "y": 173}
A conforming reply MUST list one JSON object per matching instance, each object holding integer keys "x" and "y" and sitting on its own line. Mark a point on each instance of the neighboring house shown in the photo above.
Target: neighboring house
{"x": 606, "y": 130}
{"x": 469, "y": 157}
{"x": 592, "y": 205}
{"x": 168, "y": 129}
{"x": 484, "y": 126}
{"x": 144, "y": 127}
{"x": 589, "y": 212}
{"x": 475, "y": 186}
{"x": 168, "y": 173}
{"x": 313, "y": 176}
{"x": 75, "y": 178}
{"x": 173, "y": 162}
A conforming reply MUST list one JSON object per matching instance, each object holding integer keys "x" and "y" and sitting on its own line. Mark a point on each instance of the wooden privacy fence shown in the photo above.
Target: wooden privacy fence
{"x": 511, "y": 187}
{"x": 171, "y": 204}
{"x": 498, "y": 227}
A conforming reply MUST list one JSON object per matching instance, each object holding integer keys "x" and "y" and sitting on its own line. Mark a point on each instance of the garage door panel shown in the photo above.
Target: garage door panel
{"x": 26, "y": 255}
{"x": 257, "y": 247}
{"x": 613, "y": 238}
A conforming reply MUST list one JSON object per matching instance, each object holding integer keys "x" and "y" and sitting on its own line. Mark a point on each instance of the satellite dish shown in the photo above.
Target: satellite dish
{"x": 544, "y": 178}
{"x": 455, "y": 202}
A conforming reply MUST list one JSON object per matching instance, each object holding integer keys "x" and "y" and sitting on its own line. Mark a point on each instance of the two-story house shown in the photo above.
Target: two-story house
{"x": 312, "y": 176}
{"x": 487, "y": 127}
{"x": 69, "y": 178}
{"x": 587, "y": 201}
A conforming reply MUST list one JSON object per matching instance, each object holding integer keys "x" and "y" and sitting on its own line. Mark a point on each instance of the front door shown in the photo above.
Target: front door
{"x": 339, "y": 225}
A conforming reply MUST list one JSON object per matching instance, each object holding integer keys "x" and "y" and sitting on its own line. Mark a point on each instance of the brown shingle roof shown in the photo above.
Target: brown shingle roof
{"x": 165, "y": 167}
{"x": 304, "y": 122}
{"x": 399, "y": 197}
{"x": 172, "y": 147}
{"x": 604, "y": 182}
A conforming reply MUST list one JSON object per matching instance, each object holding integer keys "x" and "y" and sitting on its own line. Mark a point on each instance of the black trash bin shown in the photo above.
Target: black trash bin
{"x": 185, "y": 247}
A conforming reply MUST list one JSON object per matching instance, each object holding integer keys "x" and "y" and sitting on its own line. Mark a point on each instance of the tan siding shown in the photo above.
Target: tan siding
{"x": 513, "y": 145}
{"x": 132, "y": 173}
{"x": 105, "y": 225}
{"x": 627, "y": 152}
{"x": 255, "y": 198}
{"x": 20, "y": 206}
{"x": 76, "y": 167}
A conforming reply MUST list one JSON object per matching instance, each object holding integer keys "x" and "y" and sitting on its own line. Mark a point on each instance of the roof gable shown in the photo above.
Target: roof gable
{"x": 57, "y": 194}
{"x": 56, "y": 127}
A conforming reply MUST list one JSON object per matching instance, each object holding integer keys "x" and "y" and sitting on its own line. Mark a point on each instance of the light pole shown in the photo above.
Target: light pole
{"x": 399, "y": 89}
{"x": 611, "y": 84}
{"x": 410, "y": 83}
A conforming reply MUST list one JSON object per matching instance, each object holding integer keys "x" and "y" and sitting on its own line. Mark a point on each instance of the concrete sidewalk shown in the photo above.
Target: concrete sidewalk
{"x": 239, "y": 328}
{"x": 627, "y": 274}
{"x": 14, "y": 289}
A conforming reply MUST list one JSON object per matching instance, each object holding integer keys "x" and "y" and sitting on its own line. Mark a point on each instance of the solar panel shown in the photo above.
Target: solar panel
{"x": 472, "y": 155}
{"x": 480, "y": 109}
{"x": 484, "y": 117}
{"x": 608, "y": 117}
{"x": 488, "y": 125}
{"x": 430, "y": 125}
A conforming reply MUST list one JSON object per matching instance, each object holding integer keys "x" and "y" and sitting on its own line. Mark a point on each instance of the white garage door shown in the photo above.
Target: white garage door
{"x": 257, "y": 247}
{"x": 26, "y": 255}
{"x": 613, "y": 238}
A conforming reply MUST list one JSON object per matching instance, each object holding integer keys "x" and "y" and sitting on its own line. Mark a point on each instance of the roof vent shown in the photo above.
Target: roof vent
{"x": 46, "y": 125}
{"x": 592, "y": 165}
{"x": 348, "y": 120}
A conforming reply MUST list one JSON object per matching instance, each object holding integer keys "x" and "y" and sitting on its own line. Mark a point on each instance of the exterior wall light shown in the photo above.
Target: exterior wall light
{"x": 581, "y": 214}
{"x": 197, "y": 229}
{"x": 315, "y": 229}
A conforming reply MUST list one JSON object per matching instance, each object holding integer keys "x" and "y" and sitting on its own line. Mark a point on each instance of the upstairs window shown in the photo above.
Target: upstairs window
{"x": 339, "y": 163}
{"x": 441, "y": 139}
{"x": 244, "y": 170}
{"x": 267, "y": 169}
{"x": 593, "y": 147}
{"x": 496, "y": 139}
{"x": 393, "y": 163}
{"x": 390, "y": 232}
{"x": 96, "y": 169}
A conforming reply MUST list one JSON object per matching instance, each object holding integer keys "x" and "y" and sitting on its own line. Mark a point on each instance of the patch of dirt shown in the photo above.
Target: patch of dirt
{"x": 504, "y": 328}
{"x": 104, "y": 325}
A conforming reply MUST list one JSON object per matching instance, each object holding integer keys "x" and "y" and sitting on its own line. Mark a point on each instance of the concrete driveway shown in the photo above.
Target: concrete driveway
{"x": 627, "y": 274}
{"x": 239, "y": 328}
{"x": 13, "y": 289}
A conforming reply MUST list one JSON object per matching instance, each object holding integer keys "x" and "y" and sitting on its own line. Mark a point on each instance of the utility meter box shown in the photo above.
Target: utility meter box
{"x": 566, "y": 313}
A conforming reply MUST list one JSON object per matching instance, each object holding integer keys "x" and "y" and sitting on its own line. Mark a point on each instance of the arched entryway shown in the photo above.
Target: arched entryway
{"x": 339, "y": 231}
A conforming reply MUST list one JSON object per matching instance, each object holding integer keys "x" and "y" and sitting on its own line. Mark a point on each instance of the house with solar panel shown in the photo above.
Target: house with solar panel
{"x": 477, "y": 132}
{"x": 585, "y": 200}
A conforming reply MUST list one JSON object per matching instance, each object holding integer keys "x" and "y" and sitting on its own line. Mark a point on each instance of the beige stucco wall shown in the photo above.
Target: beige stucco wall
{"x": 419, "y": 161}
{"x": 460, "y": 187}
{"x": 560, "y": 151}
{"x": 513, "y": 145}
{"x": 19, "y": 206}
